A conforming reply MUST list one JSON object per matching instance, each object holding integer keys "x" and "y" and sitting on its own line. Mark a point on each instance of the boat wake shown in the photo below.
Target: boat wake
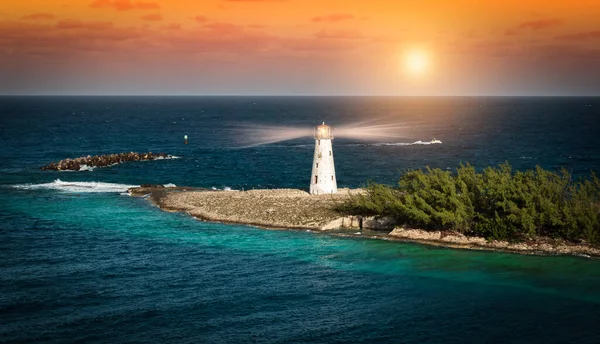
{"x": 379, "y": 144}
{"x": 375, "y": 144}
{"x": 77, "y": 187}
{"x": 434, "y": 141}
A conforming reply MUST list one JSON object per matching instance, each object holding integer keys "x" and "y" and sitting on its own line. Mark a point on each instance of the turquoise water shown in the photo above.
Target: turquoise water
{"x": 82, "y": 262}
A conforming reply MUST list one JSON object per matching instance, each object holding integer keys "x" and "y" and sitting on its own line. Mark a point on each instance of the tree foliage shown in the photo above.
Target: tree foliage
{"x": 496, "y": 203}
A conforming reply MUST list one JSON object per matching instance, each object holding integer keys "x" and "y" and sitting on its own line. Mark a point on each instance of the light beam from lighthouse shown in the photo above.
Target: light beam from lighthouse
{"x": 322, "y": 179}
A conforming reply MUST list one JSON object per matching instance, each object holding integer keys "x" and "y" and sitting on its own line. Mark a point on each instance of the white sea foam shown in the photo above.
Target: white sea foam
{"x": 379, "y": 144}
{"x": 85, "y": 167}
{"x": 402, "y": 143}
{"x": 226, "y": 188}
{"x": 170, "y": 185}
{"x": 168, "y": 157}
{"x": 77, "y": 187}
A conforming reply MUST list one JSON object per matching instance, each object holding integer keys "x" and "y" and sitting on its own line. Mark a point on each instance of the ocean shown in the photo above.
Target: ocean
{"x": 81, "y": 261}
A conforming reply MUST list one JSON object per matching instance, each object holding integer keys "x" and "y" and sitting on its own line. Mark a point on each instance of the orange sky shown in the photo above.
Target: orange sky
{"x": 526, "y": 47}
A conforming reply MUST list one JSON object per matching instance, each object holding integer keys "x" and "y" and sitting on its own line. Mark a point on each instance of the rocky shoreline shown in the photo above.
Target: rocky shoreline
{"x": 87, "y": 163}
{"x": 297, "y": 209}
{"x": 539, "y": 246}
{"x": 275, "y": 208}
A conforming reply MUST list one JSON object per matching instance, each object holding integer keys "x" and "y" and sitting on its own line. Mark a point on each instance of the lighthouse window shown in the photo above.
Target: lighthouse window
{"x": 316, "y": 179}
{"x": 318, "y": 142}
{"x": 331, "y": 177}
{"x": 317, "y": 165}
{"x": 329, "y": 153}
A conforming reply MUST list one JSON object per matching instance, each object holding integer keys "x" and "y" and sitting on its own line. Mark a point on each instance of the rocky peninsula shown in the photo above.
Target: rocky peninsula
{"x": 86, "y": 163}
{"x": 275, "y": 208}
{"x": 297, "y": 209}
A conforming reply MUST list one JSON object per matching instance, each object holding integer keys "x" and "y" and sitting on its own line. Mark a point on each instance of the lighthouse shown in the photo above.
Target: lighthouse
{"x": 322, "y": 179}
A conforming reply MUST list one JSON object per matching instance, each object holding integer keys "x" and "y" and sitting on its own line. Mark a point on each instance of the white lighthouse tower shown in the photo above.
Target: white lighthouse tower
{"x": 322, "y": 179}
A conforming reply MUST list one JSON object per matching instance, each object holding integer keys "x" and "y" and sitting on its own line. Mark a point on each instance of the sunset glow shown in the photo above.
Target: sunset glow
{"x": 300, "y": 47}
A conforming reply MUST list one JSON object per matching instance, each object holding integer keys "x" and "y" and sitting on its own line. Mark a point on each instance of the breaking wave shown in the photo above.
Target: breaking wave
{"x": 79, "y": 187}
{"x": 226, "y": 188}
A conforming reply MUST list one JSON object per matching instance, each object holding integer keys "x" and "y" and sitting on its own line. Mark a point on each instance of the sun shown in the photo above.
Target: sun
{"x": 416, "y": 62}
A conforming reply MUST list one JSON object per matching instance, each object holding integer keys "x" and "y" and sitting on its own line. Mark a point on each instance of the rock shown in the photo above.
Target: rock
{"x": 335, "y": 224}
{"x": 379, "y": 223}
{"x": 152, "y": 186}
{"x": 347, "y": 222}
{"x": 101, "y": 161}
{"x": 415, "y": 234}
{"x": 352, "y": 222}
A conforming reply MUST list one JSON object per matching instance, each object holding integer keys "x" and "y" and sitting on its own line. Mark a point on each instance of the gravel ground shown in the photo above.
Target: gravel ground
{"x": 276, "y": 208}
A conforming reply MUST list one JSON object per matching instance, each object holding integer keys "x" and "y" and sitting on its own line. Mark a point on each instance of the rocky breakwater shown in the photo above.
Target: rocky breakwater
{"x": 85, "y": 163}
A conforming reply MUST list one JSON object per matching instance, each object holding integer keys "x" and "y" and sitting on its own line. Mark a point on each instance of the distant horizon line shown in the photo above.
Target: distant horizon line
{"x": 301, "y": 95}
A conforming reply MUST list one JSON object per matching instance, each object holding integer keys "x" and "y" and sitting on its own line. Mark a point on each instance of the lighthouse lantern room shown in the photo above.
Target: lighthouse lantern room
{"x": 323, "y": 170}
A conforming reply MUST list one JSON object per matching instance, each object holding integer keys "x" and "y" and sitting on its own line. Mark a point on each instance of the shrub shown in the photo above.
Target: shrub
{"x": 496, "y": 203}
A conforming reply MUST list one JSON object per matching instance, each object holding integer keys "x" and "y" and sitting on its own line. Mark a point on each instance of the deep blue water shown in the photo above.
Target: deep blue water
{"x": 79, "y": 261}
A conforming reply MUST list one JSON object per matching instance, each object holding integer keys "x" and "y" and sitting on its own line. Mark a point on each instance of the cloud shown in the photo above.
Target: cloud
{"x": 567, "y": 52}
{"x": 339, "y": 34}
{"x": 153, "y": 17}
{"x": 335, "y": 17}
{"x": 42, "y": 16}
{"x": 68, "y": 38}
{"x": 540, "y": 24}
{"x": 581, "y": 35}
{"x": 173, "y": 26}
{"x": 316, "y": 44}
{"x": 233, "y": 39}
{"x": 10, "y": 30}
{"x": 535, "y": 25}
{"x": 542, "y": 51}
{"x": 70, "y": 24}
{"x": 217, "y": 38}
{"x": 224, "y": 28}
{"x": 201, "y": 19}
{"x": 484, "y": 47}
{"x": 82, "y": 40}
{"x": 124, "y": 5}
{"x": 72, "y": 37}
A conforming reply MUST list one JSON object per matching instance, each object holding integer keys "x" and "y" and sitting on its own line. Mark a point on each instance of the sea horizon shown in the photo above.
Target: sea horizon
{"x": 314, "y": 95}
